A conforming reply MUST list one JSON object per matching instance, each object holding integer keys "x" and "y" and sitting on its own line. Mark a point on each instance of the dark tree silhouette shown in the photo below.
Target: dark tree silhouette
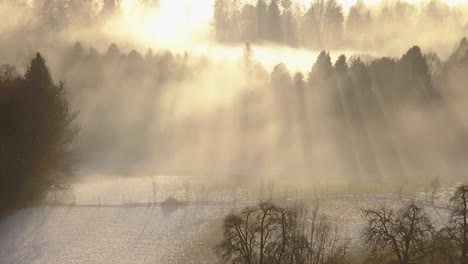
{"x": 113, "y": 52}
{"x": 402, "y": 236}
{"x": 459, "y": 221}
{"x": 322, "y": 69}
{"x": 268, "y": 233}
{"x": 415, "y": 72}
{"x": 36, "y": 143}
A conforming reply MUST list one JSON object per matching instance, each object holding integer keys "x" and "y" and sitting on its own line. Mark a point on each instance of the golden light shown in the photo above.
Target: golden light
{"x": 186, "y": 25}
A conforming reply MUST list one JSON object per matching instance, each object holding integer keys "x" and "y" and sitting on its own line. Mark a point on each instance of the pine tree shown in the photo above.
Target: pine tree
{"x": 38, "y": 147}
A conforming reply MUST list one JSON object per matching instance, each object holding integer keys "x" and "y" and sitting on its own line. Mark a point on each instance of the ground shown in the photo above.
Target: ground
{"x": 133, "y": 231}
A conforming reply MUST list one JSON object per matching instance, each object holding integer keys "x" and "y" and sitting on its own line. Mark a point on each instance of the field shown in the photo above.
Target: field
{"x": 138, "y": 232}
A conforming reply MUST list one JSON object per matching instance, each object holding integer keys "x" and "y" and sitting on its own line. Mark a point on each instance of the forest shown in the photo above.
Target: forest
{"x": 359, "y": 117}
{"x": 383, "y": 117}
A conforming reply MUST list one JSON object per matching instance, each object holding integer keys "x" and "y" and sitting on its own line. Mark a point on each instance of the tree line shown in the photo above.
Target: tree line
{"x": 269, "y": 233}
{"x": 373, "y": 113}
{"x": 325, "y": 25}
{"x": 366, "y": 106}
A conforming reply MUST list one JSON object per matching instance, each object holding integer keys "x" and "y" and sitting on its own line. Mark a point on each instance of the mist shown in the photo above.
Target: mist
{"x": 166, "y": 87}
{"x": 234, "y": 131}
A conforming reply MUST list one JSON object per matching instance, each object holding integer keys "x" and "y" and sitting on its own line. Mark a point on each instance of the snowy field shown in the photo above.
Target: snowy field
{"x": 141, "y": 233}
{"x": 107, "y": 235}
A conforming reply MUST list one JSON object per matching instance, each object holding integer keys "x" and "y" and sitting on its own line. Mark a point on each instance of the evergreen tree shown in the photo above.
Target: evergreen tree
{"x": 322, "y": 69}
{"x": 37, "y": 146}
{"x": 414, "y": 74}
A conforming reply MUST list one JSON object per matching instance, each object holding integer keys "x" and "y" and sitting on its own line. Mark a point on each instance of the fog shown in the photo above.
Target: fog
{"x": 160, "y": 91}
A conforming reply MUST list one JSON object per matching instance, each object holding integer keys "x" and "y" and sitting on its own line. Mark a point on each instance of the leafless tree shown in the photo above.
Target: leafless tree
{"x": 321, "y": 240}
{"x": 459, "y": 221}
{"x": 268, "y": 233}
{"x": 260, "y": 234}
{"x": 403, "y": 236}
{"x": 443, "y": 247}
{"x": 238, "y": 245}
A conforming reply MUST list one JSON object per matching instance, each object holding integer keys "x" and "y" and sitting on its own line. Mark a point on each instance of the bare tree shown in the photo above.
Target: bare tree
{"x": 403, "y": 236}
{"x": 450, "y": 244}
{"x": 320, "y": 240}
{"x": 459, "y": 221}
{"x": 260, "y": 234}
{"x": 268, "y": 233}
{"x": 443, "y": 247}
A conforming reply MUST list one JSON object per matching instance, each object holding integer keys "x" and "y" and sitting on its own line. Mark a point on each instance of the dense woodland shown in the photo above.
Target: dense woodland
{"x": 359, "y": 116}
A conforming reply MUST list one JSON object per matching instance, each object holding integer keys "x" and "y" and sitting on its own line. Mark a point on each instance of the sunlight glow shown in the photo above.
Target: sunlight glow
{"x": 185, "y": 25}
{"x": 179, "y": 22}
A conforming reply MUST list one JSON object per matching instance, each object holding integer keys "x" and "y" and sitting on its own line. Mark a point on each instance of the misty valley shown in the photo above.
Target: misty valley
{"x": 234, "y": 131}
